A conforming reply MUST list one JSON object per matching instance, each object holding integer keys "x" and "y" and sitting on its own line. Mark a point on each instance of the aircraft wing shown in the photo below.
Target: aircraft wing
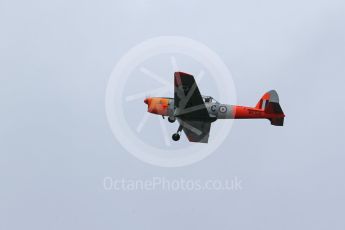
{"x": 196, "y": 131}
{"x": 187, "y": 98}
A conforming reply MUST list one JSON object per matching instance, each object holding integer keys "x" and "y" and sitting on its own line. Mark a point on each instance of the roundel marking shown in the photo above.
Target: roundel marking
{"x": 222, "y": 109}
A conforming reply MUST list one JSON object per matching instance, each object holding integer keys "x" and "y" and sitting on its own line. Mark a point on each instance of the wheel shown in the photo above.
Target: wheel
{"x": 171, "y": 119}
{"x": 176, "y": 136}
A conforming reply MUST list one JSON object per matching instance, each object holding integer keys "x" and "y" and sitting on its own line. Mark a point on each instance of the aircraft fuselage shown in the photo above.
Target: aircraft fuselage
{"x": 165, "y": 107}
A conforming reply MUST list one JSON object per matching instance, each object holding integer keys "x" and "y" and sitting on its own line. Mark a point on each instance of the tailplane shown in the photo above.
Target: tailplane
{"x": 269, "y": 102}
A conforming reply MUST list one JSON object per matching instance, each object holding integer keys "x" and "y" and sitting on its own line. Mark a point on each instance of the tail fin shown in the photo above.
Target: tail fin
{"x": 269, "y": 102}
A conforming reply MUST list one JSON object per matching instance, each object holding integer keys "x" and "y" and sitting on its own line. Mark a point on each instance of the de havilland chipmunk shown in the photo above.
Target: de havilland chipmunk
{"x": 195, "y": 112}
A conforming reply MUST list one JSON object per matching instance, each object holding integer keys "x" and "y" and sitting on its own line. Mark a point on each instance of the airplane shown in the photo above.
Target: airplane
{"x": 195, "y": 112}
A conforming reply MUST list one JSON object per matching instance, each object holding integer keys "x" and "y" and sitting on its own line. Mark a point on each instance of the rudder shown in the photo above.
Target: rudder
{"x": 269, "y": 102}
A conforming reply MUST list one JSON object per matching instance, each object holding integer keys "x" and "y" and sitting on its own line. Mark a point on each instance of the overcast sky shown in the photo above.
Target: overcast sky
{"x": 56, "y": 145}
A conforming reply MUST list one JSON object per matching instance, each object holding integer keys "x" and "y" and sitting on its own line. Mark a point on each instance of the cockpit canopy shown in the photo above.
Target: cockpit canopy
{"x": 209, "y": 99}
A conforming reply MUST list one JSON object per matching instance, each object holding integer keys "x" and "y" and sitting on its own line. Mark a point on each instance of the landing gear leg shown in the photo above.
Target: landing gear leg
{"x": 176, "y": 136}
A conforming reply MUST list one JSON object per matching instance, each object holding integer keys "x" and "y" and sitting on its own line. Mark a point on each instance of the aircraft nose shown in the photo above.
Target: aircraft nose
{"x": 146, "y": 101}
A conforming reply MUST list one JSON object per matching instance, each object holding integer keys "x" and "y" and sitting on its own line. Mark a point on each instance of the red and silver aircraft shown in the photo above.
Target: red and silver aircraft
{"x": 195, "y": 112}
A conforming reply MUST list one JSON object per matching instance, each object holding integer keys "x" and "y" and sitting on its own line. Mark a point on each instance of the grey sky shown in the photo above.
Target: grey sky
{"x": 56, "y": 145}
